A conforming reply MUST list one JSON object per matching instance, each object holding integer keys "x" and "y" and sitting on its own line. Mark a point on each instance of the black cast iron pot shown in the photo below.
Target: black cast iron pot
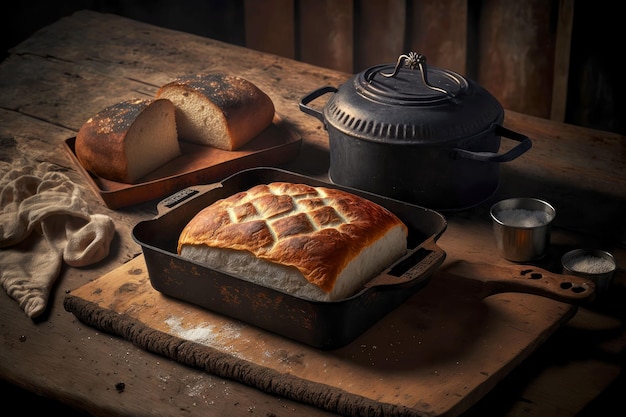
{"x": 426, "y": 136}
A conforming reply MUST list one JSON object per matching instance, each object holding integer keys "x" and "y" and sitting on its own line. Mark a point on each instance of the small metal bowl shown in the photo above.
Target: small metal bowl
{"x": 522, "y": 228}
{"x": 596, "y": 265}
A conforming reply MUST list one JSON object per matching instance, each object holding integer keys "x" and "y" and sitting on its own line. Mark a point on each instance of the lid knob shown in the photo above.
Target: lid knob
{"x": 412, "y": 60}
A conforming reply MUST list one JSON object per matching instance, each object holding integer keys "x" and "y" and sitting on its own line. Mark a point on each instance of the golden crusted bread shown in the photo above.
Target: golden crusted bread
{"x": 313, "y": 242}
{"x": 128, "y": 140}
{"x": 218, "y": 110}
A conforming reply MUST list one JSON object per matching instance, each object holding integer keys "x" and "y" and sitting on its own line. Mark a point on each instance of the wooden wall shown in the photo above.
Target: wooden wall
{"x": 516, "y": 49}
{"x": 556, "y": 59}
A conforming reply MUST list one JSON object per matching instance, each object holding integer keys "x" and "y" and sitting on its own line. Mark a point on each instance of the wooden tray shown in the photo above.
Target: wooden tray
{"x": 197, "y": 165}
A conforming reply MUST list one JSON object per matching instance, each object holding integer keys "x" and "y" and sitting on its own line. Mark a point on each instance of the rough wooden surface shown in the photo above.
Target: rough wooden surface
{"x": 436, "y": 354}
{"x": 63, "y": 74}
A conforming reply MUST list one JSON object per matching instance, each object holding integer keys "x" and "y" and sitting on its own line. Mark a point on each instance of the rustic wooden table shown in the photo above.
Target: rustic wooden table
{"x": 52, "y": 82}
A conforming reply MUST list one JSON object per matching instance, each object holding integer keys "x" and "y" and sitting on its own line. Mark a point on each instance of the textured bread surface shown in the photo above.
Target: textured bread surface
{"x": 313, "y": 242}
{"x": 218, "y": 110}
{"x": 128, "y": 140}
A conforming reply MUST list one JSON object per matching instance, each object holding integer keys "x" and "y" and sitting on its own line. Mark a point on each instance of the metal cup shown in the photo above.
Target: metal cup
{"x": 596, "y": 265}
{"x": 522, "y": 228}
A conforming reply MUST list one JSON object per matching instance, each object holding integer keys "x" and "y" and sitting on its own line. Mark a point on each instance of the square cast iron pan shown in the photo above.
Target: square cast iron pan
{"x": 325, "y": 325}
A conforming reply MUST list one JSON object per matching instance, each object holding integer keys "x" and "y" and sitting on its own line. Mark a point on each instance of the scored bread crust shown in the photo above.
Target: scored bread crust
{"x": 129, "y": 139}
{"x": 219, "y": 110}
{"x": 317, "y": 230}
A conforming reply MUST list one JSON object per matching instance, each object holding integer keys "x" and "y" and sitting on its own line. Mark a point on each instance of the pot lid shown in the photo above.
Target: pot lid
{"x": 410, "y": 102}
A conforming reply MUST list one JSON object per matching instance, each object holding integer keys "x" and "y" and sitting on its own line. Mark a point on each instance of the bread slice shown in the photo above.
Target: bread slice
{"x": 316, "y": 243}
{"x": 218, "y": 110}
{"x": 128, "y": 140}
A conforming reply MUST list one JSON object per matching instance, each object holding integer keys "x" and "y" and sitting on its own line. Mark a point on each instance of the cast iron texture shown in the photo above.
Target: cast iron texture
{"x": 435, "y": 145}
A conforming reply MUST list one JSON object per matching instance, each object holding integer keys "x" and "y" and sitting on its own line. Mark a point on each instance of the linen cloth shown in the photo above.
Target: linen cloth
{"x": 44, "y": 221}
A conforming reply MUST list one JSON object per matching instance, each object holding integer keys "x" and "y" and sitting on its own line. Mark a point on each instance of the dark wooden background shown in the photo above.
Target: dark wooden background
{"x": 556, "y": 59}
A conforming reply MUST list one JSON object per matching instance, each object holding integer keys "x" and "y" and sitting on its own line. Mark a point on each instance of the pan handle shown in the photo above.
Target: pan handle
{"x": 496, "y": 279}
{"x": 524, "y": 144}
{"x": 185, "y": 194}
{"x": 432, "y": 256}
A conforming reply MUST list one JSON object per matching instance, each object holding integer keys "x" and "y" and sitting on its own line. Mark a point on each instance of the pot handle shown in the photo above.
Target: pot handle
{"x": 312, "y": 96}
{"x": 499, "y": 130}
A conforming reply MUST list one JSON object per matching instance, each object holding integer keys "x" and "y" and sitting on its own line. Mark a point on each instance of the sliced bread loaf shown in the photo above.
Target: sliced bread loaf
{"x": 128, "y": 140}
{"x": 218, "y": 110}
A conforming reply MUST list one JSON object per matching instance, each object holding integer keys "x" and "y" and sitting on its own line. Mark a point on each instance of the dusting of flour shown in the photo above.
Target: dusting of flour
{"x": 219, "y": 337}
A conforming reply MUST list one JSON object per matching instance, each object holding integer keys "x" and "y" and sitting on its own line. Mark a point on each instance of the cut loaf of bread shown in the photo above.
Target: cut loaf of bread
{"x": 316, "y": 243}
{"x": 128, "y": 140}
{"x": 218, "y": 110}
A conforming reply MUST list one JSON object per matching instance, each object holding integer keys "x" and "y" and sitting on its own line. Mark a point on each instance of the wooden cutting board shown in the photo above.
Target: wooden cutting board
{"x": 436, "y": 354}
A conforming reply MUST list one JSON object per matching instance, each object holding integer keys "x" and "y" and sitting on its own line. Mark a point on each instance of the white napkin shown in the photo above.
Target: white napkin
{"x": 44, "y": 222}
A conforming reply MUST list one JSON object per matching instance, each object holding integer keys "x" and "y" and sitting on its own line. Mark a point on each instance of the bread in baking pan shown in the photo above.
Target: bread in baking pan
{"x": 128, "y": 140}
{"x": 316, "y": 243}
{"x": 218, "y": 110}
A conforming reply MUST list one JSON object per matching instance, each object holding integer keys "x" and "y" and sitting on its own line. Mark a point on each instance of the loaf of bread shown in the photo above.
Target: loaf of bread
{"x": 218, "y": 110}
{"x": 316, "y": 243}
{"x": 128, "y": 140}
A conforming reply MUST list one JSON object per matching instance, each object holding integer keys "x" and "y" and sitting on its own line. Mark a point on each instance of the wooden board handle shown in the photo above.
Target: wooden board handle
{"x": 526, "y": 279}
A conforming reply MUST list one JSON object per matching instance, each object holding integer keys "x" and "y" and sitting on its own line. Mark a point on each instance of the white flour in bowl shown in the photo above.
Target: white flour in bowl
{"x": 590, "y": 264}
{"x": 523, "y": 217}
